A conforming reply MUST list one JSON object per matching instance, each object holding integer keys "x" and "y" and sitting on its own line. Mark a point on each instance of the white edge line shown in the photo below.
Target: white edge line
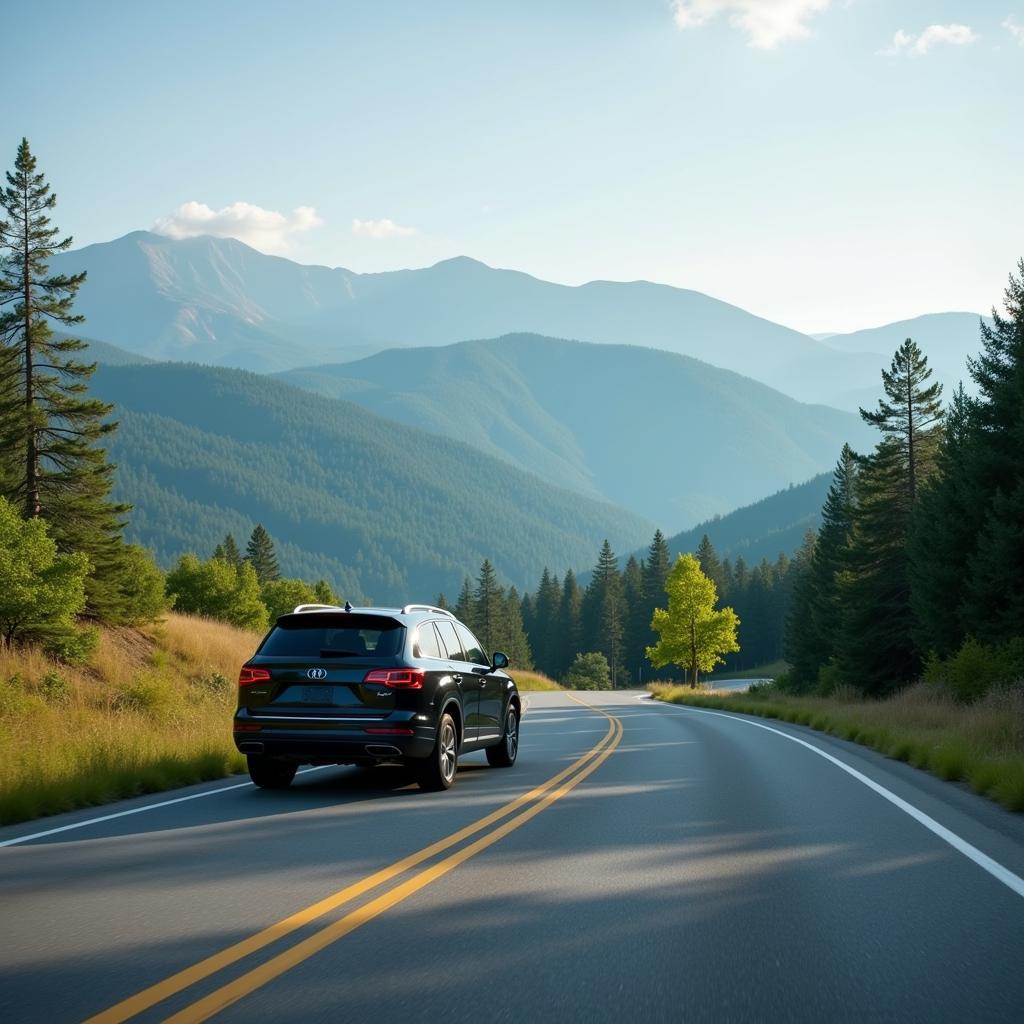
{"x": 139, "y": 810}
{"x": 983, "y": 860}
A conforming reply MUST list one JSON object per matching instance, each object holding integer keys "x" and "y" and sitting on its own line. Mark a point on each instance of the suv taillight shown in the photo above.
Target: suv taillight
{"x": 397, "y": 678}
{"x": 252, "y": 675}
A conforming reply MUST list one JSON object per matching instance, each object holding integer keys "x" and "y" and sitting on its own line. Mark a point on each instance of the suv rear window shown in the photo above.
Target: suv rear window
{"x": 312, "y": 635}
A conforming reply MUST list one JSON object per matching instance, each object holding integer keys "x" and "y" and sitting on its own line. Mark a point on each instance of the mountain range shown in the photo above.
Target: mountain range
{"x": 217, "y": 301}
{"x": 382, "y": 510}
{"x": 668, "y": 437}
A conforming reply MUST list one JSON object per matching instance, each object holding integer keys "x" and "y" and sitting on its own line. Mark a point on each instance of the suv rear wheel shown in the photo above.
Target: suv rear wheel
{"x": 503, "y": 754}
{"x": 438, "y": 770}
{"x": 270, "y": 773}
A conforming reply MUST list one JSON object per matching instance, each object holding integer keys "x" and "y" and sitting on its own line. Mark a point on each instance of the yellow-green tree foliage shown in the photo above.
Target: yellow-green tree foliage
{"x": 217, "y": 590}
{"x": 694, "y": 635}
{"x": 41, "y": 592}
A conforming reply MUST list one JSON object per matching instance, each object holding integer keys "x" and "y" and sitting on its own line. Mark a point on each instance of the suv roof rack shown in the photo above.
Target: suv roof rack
{"x": 426, "y": 608}
{"x": 321, "y": 608}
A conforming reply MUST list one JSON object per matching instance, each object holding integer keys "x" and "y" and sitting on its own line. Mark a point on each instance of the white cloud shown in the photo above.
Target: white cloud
{"x": 384, "y": 228}
{"x": 933, "y": 35}
{"x": 1015, "y": 30}
{"x": 266, "y": 230}
{"x": 766, "y": 22}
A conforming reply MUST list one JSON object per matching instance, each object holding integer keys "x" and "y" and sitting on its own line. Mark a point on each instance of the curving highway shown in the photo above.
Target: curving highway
{"x": 641, "y": 861}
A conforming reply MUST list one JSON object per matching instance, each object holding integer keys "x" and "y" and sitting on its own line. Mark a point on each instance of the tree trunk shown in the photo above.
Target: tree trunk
{"x": 31, "y": 454}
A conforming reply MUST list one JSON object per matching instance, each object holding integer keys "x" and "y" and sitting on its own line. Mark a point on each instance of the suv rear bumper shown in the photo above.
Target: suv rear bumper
{"x": 310, "y": 742}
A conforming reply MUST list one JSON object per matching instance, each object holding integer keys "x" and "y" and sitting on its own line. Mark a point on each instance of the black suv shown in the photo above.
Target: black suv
{"x": 361, "y": 686}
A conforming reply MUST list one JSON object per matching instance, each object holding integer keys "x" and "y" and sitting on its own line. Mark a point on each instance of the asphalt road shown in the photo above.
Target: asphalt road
{"x": 684, "y": 866}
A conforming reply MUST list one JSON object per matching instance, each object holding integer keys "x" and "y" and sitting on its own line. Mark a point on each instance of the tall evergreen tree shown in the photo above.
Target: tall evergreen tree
{"x": 49, "y": 426}
{"x": 464, "y": 608}
{"x": 813, "y": 626}
{"x": 547, "y": 625}
{"x": 570, "y": 618}
{"x": 511, "y": 638}
{"x": 636, "y": 630}
{"x": 229, "y": 551}
{"x": 994, "y": 595}
{"x": 710, "y": 563}
{"x": 259, "y": 553}
{"x": 875, "y": 647}
{"x": 655, "y": 569}
{"x": 943, "y": 536}
{"x": 604, "y": 612}
{"x": 489, "y": 607}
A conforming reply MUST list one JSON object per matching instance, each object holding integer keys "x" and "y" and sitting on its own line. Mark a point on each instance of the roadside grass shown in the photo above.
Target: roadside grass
{"x": 980, "y": 744}
{"x": 767, "y": 671}
{"x": 534, "y": 682}
{"x": 150, "y": 711}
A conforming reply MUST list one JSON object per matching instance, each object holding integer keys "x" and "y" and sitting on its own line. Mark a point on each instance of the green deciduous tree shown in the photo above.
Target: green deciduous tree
{"x": 259, "y": 553}
{"x": 324, "y": 593}
{"x": 693, "y": 634}
{"x": 218, "y": 591}
{"x": 282, "y": 596}
{"x": 41, "y": 591}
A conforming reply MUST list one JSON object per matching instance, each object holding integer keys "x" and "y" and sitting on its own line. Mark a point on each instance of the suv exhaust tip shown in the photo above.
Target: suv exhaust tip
{"x": 382, "y": 750}
{"x": 250, "y": 747}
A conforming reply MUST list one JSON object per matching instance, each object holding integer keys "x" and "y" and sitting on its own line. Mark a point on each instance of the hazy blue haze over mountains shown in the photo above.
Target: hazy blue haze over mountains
{"x": 382, "y": 510}
{"x": 217, "y": 301}
{"x": 668, "y": 437}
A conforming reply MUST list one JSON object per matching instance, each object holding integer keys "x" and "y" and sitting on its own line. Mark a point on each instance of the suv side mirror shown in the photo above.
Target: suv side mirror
{"x": 499, "y": 660}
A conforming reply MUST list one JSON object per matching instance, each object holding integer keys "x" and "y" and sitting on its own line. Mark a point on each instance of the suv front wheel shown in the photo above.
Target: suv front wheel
{"x": 438, "y": 770}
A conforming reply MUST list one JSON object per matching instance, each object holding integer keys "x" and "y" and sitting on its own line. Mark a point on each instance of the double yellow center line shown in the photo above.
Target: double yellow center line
{"x": 495, "y": 826}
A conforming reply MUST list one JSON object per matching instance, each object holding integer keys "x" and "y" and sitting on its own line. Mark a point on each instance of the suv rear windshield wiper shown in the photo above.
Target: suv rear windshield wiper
{"x": 330, "y": 653}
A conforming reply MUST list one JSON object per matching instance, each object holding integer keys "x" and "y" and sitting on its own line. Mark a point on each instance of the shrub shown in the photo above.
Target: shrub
{"x": 281, "y": 596}
{"x": 54, "y": 688}
{"x": 977, "y": 668}
{"x": 589, "y": 672}
{"x": 73, "y": 648}
{"x": 218, "y": 590}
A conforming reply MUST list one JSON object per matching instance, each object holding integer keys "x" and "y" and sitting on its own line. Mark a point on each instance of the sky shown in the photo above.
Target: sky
{"x": 827, "y": 164}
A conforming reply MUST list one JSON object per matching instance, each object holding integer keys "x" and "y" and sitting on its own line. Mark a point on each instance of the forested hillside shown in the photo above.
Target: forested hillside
{"x": 379, "y": 509}
{"x": 670, "y": 438}
{"x": 772, "y": 526}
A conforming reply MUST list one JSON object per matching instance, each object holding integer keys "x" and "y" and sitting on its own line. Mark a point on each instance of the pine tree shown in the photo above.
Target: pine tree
{"x": 995, "y": 578}
{"x": 464, "y": 610}
{"x": 442, "y": 601}
{"x": 710, "y": 563}
{"x": 259, "y": 553}
{"x": 547, "y": 626}
{"x": 49, "y": 427}
{"x": 875, "y": 648}
{"x": 636, "y": 630}
{"x": 489, "y": 609}
{"x": 910, "y": 416}
{"x": 655, "y": 569}
{"x": 570, "y": 619}
{"x": 945, "y": 522}
{"x": 228, "y": 551}
{"x": 813, "y": 628}
{"x": 511, "y": 638}
{"x": 604, "y": 611}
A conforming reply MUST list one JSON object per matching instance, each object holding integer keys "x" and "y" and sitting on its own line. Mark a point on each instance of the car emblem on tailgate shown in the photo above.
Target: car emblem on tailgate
{"x": 317, "y": 673}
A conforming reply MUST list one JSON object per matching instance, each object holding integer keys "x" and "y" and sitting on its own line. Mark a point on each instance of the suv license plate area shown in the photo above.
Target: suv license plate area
{"x": 318, "y": 694}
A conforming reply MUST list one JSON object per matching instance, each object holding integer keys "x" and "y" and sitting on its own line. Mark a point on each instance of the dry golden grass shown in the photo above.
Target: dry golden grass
{"x": 981, "y": 744}
{"x": 151, "y": 710}
{"x": 534, "y": 681}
